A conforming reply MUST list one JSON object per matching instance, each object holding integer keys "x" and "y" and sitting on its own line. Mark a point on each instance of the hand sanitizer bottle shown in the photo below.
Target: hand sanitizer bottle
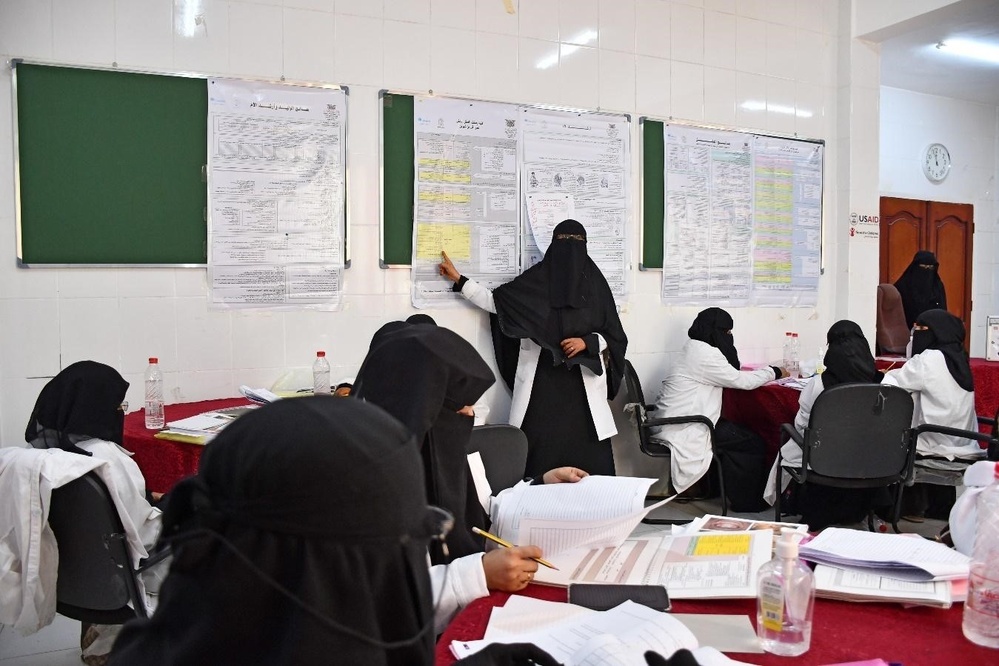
{"x": 785, "y": 597}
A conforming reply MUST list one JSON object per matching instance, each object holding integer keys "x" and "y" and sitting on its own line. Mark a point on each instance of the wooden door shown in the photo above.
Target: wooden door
{"x": 946, "y": 229}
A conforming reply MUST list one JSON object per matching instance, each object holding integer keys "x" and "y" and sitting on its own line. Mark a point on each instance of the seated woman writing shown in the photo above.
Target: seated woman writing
{"x": 848, "y": 359}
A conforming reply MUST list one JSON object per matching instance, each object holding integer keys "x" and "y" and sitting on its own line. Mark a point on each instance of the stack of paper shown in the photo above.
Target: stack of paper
{"x": 856, "y": 585}
{"x": 712, "y": 523}
{"x": 261, "y": 396}
{"x": 199, "y": 429}
{"x": 898, "y": 556}
{"x": 575, "y": 635}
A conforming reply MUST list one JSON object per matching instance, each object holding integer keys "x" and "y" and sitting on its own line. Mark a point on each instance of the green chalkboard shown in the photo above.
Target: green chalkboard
{"x": 398, "y": 171}
{"x": 110, "y": 166}
{"x": 653, "y": 193}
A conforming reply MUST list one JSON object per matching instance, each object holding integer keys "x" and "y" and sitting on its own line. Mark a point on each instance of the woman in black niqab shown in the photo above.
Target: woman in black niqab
{"x": 714, "y": 326}
{"x": 83, "y": 401}
{"x": 944, "y": 332}
{"x": 848, "y": 358}
{"x": 423, "y": 375}
{"x": 301, "y": 540}
{"x": 921, "y": 287}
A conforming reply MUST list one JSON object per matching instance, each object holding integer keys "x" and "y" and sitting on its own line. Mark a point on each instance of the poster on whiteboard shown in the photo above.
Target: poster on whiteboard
{"x": 276, "y": 168}
{"x": 466, "y": 195}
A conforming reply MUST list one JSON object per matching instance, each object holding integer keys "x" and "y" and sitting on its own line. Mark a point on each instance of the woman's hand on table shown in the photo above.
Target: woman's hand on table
{"x": 510, "y": 569}
{"x": 563, "y": 475}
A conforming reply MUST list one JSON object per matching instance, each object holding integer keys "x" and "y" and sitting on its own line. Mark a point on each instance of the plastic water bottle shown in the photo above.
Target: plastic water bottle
{"x": 154, "y": 395}
{"x": 785, "y": 598}
{"x": 786, "y": 356}
{"x": 981, "y": 611}
{"x": 321, "y": 375}
{"x": 794, "y": 369}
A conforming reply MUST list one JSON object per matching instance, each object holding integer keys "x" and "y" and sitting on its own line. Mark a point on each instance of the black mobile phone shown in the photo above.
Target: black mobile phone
{"x": 604, "y": 597}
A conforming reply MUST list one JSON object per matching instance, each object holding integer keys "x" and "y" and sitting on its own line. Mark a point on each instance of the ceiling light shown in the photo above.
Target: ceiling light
{"x": 969, "y": 49}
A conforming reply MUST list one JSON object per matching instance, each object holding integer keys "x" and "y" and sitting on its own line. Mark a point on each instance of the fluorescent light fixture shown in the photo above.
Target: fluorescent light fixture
{"x": 971, "y": 49}
{"x": 581, "y": 39}
{"x": 754, "y": 105}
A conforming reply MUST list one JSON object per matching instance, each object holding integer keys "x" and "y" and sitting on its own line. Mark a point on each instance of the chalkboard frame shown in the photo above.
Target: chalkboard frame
{"x": 654, "y": 201}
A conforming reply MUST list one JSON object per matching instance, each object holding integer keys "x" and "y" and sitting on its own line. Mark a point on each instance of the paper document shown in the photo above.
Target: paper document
{"x": 712, "y": 523}
{"x": 894, "y": 555}
{"x": 209, "y": 423}
{"x": 698, "y": 566}
{"x": 261, "y": 396}
{"x": 859, "y": 585}
{"x": 597, "y": 511}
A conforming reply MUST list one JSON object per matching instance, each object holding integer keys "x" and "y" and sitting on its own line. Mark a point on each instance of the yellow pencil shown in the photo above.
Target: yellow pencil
{"x": 507, "y": 544}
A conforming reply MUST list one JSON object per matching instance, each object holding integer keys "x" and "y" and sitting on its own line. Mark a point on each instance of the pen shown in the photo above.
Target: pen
{"x": 507, "y": 544}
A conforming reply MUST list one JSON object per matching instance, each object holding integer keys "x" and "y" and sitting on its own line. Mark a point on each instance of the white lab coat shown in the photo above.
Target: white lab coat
{"x": 29, "y": 557}
{"x": 791, "y": 452}
{"x": 694, "y": 386}
{"x": 939, "y": 400}
{"x": 527, "y": 365}
{"x": 455, "y": 585}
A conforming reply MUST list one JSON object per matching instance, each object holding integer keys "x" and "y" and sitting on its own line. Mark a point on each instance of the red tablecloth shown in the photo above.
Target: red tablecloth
{"x": 763, "y": 410}
{"x": 841, "y": 632}
{"x": 162, "y": 461}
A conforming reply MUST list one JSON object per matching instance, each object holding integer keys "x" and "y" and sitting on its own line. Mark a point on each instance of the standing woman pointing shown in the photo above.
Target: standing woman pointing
{"x": 561, "y": 319}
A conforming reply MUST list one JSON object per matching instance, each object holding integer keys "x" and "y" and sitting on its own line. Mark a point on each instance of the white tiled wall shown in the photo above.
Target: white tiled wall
{"x": 910, "y": 122}
{"x": 695, "y": 60}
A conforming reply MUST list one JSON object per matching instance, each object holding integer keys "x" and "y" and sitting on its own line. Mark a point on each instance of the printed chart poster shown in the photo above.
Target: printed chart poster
{"x": 575, "y": 165}
{"x": 466, "y": 195}
{"x": 276, "y": 195}
{"x": 787, "y": 253}
{"x": 743, "y": 219}
{"x": 708, "y": 232}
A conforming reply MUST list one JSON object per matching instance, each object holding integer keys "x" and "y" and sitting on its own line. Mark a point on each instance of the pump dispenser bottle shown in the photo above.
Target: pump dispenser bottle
{"x": 785, "y": 597}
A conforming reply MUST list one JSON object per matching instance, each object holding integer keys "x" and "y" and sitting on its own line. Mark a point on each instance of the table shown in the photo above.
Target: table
{"x": 164, "y": 462}
{"x": 764, "y": 409}
{"x": 841, "y": 631}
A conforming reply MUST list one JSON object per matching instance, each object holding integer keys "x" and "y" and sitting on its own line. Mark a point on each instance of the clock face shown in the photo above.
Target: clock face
{"x": 936, "y": 162}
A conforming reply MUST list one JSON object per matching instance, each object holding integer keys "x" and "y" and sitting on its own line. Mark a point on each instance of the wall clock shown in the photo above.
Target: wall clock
{"x": 936, "y": 162}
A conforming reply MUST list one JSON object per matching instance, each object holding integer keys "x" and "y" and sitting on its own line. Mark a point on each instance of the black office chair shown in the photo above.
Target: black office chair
{"x": 650, "y": 447}
{"x": 96, "y": 580}
{"x": 858, "y": 436}
{"x": 504, "y": 453}
{"x": 938, "y": 470}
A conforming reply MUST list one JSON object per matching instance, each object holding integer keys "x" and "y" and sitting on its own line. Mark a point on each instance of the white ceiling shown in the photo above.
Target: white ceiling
{"x": 910, "y": 60}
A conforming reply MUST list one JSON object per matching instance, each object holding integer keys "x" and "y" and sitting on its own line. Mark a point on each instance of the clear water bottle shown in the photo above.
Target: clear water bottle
{"x": 981, "y": 610}
{"x": 794, "y": 369}
{"x": 154, "y": 395}
{"x": 321, "y": 375}
{"x": 786, "y": 356}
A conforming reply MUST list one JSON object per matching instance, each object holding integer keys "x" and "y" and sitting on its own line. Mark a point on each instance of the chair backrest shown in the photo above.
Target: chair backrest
{"x": 861, "y": 431}
{"x": 96, "y": 581}
{"x": 504, "y": 453}
{"x": 892, "y": 331}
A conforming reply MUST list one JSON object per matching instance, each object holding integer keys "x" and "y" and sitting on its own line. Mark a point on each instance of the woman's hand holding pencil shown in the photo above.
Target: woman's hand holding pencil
{"x": 510, "y": 568}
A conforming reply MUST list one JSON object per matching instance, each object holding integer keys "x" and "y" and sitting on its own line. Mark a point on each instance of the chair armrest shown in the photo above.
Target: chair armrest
{"x": 954, "y": 432}
{"x": 154, "y": 559}
{"x": 672, "y": 420}
{"x": 792, "y": 433}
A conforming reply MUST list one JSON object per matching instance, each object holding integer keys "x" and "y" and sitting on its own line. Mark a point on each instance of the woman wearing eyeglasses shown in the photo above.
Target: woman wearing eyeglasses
{"x": 560, "y": 347}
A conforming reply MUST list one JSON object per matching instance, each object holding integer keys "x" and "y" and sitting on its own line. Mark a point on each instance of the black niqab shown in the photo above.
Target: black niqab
{"x": 563, "y": 296}
{"x": 324, "y": 497}
{"x": 945, "y": 332}
{"x": 84, "y": 399}
{"x": 848, "y": 358}
{"x": 714, "y": 326}
{"x": 921, "y": 288}
{"x": 422, "y": 375}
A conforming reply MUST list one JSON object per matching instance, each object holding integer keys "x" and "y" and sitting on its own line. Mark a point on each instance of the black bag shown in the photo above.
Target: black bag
{"x": 743, "y": 457}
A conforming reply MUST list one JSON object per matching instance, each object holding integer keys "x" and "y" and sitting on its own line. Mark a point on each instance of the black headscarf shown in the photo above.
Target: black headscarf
{"x": 563, "y": 296}
{"x": 946, "y": 333}
{"x": 422, "y": 375}
{"x": 848, "y": 358}
{"x": 323, "y": 498}
{"x": 921, "y": 288}
{"x": 714, "y": 326}
{"x": 83, "y": 400}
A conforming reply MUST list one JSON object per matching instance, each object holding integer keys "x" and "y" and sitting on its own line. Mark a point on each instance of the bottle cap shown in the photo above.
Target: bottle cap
{"x": 320, "y": 354}
{"x": 153, "y": 359}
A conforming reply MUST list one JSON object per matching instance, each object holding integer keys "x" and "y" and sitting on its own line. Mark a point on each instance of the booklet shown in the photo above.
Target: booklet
{"x": 855, "y": 585}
